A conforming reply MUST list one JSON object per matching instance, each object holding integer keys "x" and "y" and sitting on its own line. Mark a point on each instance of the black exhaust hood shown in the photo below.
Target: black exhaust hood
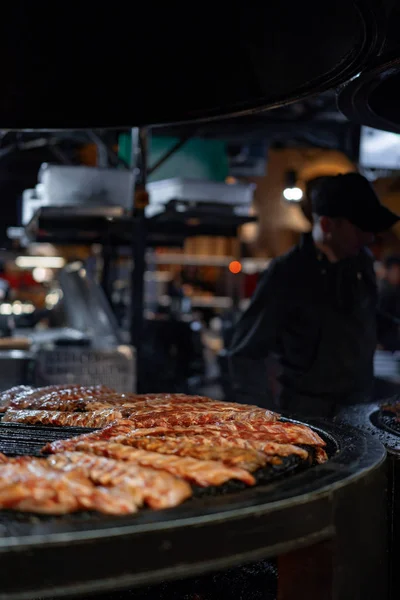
{"x": 122, "y": 65}
{"x": 373, "y": 98}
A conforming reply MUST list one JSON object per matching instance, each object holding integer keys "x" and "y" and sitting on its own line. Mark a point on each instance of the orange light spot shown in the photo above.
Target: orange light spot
{"x": 235, "y": 267}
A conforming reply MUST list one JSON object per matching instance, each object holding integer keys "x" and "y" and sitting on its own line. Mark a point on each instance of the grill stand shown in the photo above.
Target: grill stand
{"x": 306, "y": 573}
{"x": 363, "y": 417}
{"x": 351, "y": 562}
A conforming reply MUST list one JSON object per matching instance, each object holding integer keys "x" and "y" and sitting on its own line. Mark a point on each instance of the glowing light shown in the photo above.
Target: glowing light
{"x": 235, "y": 267}
{"x": 6, "y": 309}
{"x": 44, "y": 262}
{"x": 53, "y": 298}
{"x": 293, "y": 194}
{"x": 40, "y": 274}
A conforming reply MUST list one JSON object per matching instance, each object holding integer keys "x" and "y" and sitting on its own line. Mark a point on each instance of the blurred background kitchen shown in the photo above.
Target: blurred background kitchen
{"x": 222, "y": 200}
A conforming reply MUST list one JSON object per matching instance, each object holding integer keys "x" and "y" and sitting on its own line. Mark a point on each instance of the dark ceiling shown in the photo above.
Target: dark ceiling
{"x": 314, "y": 122}
{"x": 174, "y": 63}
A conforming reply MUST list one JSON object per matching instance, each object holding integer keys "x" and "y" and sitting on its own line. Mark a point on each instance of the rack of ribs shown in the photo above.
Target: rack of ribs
{"x": 200, "y": 472}
{"x": 158, "y": 489}
{"x": 32, "y": 485}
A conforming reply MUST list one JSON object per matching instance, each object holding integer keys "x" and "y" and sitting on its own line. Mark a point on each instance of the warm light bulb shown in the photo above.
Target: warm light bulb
{"x": 293, "y": 194}
{"x": 235, "y": 267}
{"x": 40, "y": 274}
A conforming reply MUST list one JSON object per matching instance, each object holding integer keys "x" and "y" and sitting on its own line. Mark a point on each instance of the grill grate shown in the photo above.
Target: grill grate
{"x": 389, "y": 422}
{"x": 16, "y": 439}
{"x": 268, "y": 474}
{"x": 113, "y": 368}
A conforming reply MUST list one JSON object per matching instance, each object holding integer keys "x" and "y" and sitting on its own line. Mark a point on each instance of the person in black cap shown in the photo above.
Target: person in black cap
{"x": 315, "y": 308}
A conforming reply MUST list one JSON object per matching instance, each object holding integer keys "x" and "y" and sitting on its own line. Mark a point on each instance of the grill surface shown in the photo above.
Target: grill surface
{"x": 372, "y": 420}
{"x": 18, "y": 439}
{"x": 204, "y": 534}
{"x": 387, "y": 421}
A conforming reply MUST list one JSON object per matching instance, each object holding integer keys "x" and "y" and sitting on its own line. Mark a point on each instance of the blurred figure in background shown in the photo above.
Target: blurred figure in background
{"x": 6, "y": 321}
{"x": 389, "y": 293}
{"x": 389, "y": 301}
{"x": 4, "y": 284}
{"x": 316, "y": 308}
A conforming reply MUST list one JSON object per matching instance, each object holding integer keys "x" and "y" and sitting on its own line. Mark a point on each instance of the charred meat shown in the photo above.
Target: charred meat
{"x": 159, "y": 489}
{"x": 201, "y": 472}
{"x": 96, "y": 418}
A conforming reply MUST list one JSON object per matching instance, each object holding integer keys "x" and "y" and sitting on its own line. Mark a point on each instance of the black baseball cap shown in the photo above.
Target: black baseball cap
{"x": 351, "y": 197}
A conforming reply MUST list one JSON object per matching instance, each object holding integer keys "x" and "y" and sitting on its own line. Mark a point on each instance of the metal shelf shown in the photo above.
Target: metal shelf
{"x": 74, "y": 225}
{"x": 203, "y": 260}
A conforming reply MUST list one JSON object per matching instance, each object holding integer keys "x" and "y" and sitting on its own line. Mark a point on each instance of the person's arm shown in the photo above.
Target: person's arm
{"x": 387, "y": 323}
{"x": 256, "y": 332}
{"x": 254, "y": 338}
{"x": 388, "y": 328}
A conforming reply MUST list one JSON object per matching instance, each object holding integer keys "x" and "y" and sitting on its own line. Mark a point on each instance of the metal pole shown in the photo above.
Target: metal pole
{"x": 107, "y": 255}
{"x": 140, "y": 200}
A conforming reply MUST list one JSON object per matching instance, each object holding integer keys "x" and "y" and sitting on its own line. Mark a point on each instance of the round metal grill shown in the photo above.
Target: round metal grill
{"x": 212, "y": 533}
{"x": 388, "y": 421}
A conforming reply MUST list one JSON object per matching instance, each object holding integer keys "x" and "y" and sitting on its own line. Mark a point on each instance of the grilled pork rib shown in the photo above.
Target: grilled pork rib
{"x": 25, "y": 396}
{"x": 281, "y": 432}
{"x": 128, "y": 409}
{"x": 15, "y": 392}
{"x": 31, "y": 484}
{"x": 97, "y": 418}
{"x": 59, "y": 403}
{"x": 272, "y": 439}
{"x": 189, "y": 418}
{"x": 144, "y": 419}
{"x": 200, "y": 472}
{"x": 158, "y": 489}
{"x": 247, "y": 459}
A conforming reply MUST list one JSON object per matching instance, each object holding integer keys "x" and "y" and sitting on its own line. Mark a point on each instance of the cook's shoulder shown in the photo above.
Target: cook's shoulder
{"x": 286, "y": 262}
{"x": 281, "y": 269}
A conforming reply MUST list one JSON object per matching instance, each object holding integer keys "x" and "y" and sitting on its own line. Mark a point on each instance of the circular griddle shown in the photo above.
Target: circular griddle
{"x": 76, "y": 554}
{"x": 369, "y": 418}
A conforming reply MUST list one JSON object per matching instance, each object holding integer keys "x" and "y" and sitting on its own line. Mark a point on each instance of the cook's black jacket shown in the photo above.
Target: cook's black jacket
{"x": 320, "y": 319}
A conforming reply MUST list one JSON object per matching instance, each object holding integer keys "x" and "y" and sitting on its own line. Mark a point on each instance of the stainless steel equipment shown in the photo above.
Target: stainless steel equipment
{"x": 193, "y": 190}
{"x": 114, "y": 367}
{"x": 87, "y": 308}
{"x": 62, "y": 185}
{"x": 84, "y": 348}
{"x": 86, "y": 187}
{"x": 98, "y": 356}
{"x": 16, "y": 367}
